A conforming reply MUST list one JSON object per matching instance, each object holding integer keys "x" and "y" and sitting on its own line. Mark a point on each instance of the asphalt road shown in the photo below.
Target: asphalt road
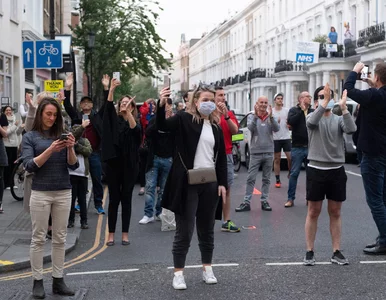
{"x": 261, "y": 263}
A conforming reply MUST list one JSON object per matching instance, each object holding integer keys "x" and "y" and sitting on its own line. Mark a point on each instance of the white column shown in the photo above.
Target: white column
{"x": 287, "y": 95}
{"x": 326, "y": 77}
{"x": 318, "y": 80}
{"x": 312, "y": 83}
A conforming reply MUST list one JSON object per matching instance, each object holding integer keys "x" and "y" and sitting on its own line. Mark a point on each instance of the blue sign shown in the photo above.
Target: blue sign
{"x": 49, "y": 54}
{"x": 28, "y": 55}
{"x": 304, "y": 57}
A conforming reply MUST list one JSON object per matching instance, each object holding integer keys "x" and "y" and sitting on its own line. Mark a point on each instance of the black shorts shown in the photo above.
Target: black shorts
{"x": 282, "y": 144}
{"x": 330, "y": 184}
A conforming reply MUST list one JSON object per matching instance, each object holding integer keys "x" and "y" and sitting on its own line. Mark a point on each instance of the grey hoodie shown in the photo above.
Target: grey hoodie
{"x": 262, "y": 134}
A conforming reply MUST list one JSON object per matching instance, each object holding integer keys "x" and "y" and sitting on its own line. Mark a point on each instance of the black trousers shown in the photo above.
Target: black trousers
{"x": 121, "y": 180}
{"x": 1, "y": 184}
{"x": 12, "y": 156}
{"x": 142, "y": 166}
{"x": 79, "y": 191}
{"x": 200, "y": 208}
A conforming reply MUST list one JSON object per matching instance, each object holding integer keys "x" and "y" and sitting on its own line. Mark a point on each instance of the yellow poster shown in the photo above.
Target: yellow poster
{"x": 53, "y": 86}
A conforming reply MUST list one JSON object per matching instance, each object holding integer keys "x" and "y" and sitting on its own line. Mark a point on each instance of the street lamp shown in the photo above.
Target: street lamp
{"x": 91, "y": 44}
{"x": 250, "y": 64}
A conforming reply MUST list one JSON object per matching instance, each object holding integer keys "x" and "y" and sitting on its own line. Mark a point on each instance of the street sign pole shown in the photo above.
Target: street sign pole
{"x": 52, "y": 31}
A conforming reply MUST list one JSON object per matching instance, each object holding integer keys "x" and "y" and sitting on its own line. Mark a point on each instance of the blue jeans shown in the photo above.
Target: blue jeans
{"x": 373, "y": 171}
{"x": 96, "y": 177}
{"x": 298, "y": 156}
{"x": 161, "y": 168}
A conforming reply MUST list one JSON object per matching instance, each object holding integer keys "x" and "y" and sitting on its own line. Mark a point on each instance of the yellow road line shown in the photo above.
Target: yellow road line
{"x": 76, "y": 259}
{"x": 6, "y": 262}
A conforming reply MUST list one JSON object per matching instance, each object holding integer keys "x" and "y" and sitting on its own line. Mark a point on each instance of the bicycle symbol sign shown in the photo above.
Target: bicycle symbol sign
{"x": 49, "y": 54}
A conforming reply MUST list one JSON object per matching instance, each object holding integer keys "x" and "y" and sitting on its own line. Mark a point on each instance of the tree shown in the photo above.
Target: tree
{"x": 321, "y": 38}
{"x": 125, "y": 39}
{"x": 142, "y": 89}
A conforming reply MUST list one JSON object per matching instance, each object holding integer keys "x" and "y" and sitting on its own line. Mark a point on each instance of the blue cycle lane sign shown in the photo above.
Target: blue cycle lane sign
{"x": 49, "y": 54}
{"x": 28, "y": 55}
{"x": 306, "y": 52}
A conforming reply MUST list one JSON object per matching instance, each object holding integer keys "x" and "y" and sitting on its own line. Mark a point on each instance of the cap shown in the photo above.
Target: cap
{"x": 86, "y": 98}
{"x": 277, "y": 95}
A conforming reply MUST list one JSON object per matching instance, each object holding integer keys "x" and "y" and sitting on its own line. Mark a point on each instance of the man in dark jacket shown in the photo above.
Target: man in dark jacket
{"x": 372, "y": 143}
{"x": 297, "y": 120}
{"x": 93, "y": 133}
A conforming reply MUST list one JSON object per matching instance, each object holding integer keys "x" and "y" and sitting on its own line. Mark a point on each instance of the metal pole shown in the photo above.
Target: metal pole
{"x": 250, "y": 89}
{"x": 52, "y": 31}
{"x": 91, "y": 75}
{"x": 74, "y": 87}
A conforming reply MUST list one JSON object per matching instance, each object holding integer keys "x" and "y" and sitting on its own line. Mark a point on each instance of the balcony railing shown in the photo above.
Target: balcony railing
{"x": 371, "y": 35}
{"x": 349, "y": 48}
{"x": 288, "y": 65}
{"x": 324, "y": 53}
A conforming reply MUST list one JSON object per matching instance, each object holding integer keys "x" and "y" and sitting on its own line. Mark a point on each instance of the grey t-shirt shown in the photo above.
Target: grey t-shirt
{"x": 281, "y": 117}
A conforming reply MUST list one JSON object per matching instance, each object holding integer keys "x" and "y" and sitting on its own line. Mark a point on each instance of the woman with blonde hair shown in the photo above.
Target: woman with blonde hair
{"x": 120, "y": 144}
{"x": 197, "y": 179}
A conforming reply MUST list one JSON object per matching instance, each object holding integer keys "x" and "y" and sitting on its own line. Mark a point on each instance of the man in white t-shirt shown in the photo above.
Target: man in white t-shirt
{"x": 282, "y": 138}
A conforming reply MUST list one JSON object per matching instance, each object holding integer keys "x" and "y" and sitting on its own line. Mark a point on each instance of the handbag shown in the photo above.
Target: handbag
{"x": 202, "y": 175}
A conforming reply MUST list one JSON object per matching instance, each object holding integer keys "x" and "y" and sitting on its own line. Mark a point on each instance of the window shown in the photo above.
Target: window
{"x": 1, "y": 7}
{"x": 14, "y": 10}
{"x": 5, "y": 76}
{"x": 366, "y": 6}
{"x": 74, "y": 5}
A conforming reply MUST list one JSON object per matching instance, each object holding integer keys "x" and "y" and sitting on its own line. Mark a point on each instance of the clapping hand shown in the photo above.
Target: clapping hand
{"x": 106, "y": 81}
{"x": 343, "y": 100}
{"x": 223, "y": 109}
{"x": 69, "y": 82}
{"x": 269, "y": 110}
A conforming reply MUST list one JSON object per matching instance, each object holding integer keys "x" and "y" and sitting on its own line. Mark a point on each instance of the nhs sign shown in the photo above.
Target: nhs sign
{"x": 304, "y": 58}
{"x": 305, "y": 52}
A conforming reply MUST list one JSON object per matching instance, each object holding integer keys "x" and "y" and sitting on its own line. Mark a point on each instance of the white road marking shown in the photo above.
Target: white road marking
{"x": 373, "y": 262}
{"x": 296, "y": 263}
{"x": 213, "y": 265}
{"x": 353, "y": 173}
{"x": 102, "y": 272}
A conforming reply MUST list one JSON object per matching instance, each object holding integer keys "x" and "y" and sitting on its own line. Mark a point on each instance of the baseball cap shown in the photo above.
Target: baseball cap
{"x": 277, "y": 95}
{"x": 86, "y": 98}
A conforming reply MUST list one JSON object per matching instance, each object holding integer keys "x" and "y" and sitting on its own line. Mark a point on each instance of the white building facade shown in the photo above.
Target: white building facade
{"x": 266, "y": 31}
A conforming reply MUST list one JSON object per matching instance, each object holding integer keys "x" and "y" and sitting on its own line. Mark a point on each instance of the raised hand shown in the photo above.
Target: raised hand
{"x": 358, "y": 67}
{"x": 85, "y": 123}
{"x": 106, "y": 81}
{"x": 269, "y": 110}
{"x": 327, "y": 93}
{"x": 343, "y": 100}
{"x": 114, "y": 83}
{"x": 256, "y": 107}
{"x": 69, "y": 81}
{"x": 223, "y": 109}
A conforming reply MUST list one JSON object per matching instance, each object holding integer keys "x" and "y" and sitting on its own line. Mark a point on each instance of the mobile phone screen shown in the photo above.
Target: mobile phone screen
{"x": 85, "y": 117}
{"x": 117, "y": 75}
{"x": 365, "y": 72}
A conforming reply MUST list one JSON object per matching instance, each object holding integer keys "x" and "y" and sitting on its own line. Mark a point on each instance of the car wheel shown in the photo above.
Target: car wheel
{"x": 247, "y": 157}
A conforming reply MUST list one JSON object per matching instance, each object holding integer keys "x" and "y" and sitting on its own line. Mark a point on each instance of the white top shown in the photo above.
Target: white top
{"x": 81, "y": 170}
{"x": 281, "y": 117}
{"x": 205, "y": 149}
{"x": 22, "y": 109}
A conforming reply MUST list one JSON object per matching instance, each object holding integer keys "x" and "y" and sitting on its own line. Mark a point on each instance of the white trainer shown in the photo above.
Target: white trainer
{"x": 146, "y": 220}
{"x": 208, "y": 276}
{"x": 179, "y": 281}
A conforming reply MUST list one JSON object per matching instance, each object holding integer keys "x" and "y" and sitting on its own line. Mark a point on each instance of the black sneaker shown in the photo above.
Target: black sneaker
{"x": 243, "y": 207}
{"x": 84, "y": 225}
{"x": 265, "y": 206}
{"x": 338, "y": 258}
{"x": 309, "y": 260}
{"x": 70, "y": 224}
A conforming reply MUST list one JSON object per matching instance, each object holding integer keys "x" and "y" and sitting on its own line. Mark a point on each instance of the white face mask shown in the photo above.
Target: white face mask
{"x": 206, "y": 108}
{"x": 330, "y": 104}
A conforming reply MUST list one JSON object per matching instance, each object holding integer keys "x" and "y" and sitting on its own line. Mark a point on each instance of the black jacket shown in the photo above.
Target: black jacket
{"x": 372, "y": 133}
{"x": 160, "y": 143}
{"x": 187, "y": 135}
{"x": 297, "y": 120}
{"x": 76, "y": 116}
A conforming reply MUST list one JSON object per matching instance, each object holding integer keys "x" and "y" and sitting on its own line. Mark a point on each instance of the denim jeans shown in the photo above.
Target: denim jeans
{"x": 161, "y": 168}
{"x": 298, "y": 156}
{"x": 265, "y": 160}
{"x": 96, "y": 177}
{"x": 373, "y": 171}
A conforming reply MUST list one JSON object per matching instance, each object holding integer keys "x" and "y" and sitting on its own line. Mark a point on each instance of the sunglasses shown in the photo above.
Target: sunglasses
{"x": 321, "y": 97}
{"x": 204, "y": 87}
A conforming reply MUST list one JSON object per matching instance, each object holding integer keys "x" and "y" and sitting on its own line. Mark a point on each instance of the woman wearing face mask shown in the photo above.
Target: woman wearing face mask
{"x": 199, "y": 145}
{"x": 121, "y": 139}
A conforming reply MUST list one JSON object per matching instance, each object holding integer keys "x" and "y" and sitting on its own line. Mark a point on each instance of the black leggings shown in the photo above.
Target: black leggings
{"x": 120, "y": 180}
{"x": 142, "y": 166}
{"x": 1, "y": 184}
{"x": 200, "y": 208}
{"x": 79, "y": 191}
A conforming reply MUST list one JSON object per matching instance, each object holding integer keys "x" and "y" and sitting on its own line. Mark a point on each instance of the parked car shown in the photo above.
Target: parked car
{"x": 349, "y": 146}
{"x": 244, "y": 144}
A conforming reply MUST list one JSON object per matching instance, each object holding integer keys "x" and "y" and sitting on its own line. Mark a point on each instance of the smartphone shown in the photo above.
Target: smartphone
{"x": 365, "y": 72}
{"x": 170, "y": 101}
{"x": 117, "y": 75}
{"x": 85, "y": 117}
{"x": 64, "y": 136}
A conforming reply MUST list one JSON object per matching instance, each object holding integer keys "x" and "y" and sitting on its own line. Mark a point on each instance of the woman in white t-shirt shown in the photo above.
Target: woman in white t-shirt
{"x": 199, "y": 145}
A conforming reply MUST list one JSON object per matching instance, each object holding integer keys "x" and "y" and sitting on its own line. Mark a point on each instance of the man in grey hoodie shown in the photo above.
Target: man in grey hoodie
{"x": 261, "y": 124}
{"x": 326, "y": 176}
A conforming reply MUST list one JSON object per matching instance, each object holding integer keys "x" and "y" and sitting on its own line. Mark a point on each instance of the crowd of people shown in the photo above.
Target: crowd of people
{"x": 183, "y": 160}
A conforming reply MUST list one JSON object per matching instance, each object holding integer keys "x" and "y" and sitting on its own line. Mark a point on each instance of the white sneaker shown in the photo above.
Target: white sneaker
{"x": 158, "y": 218}
{"x": 146, "y": 220}
{"x": 208, "y": 276}
{"x": 179, "y": 281}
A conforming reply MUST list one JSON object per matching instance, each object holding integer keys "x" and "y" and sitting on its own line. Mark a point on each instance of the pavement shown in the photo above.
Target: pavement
{"x": 15, "y": 235}
{"x": 264, "y": 262}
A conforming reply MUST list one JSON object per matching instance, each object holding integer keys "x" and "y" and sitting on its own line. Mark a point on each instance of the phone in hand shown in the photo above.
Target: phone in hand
{"x": 64, "y": 136}
{"x": 117, "y": 76}
{"x": 170, "y": 101}
{"x": 85, "y": 117}
{"x": 364, "y": 74}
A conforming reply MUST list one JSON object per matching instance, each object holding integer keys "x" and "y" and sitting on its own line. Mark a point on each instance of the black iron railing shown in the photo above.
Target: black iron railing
{"x": 324, "y": 53}
{"x": 371, "y": 35}
{"x": 288, "y": 65}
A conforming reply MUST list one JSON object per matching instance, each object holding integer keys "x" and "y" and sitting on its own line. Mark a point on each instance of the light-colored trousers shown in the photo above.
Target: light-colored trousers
{"x": 42, "y": 204}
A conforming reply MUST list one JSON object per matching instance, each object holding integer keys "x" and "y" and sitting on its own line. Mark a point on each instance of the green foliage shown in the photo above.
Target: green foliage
{"x": 321, "y": 38}
{"x": 123, "y": 29}
{"x": 143, "y": 89}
